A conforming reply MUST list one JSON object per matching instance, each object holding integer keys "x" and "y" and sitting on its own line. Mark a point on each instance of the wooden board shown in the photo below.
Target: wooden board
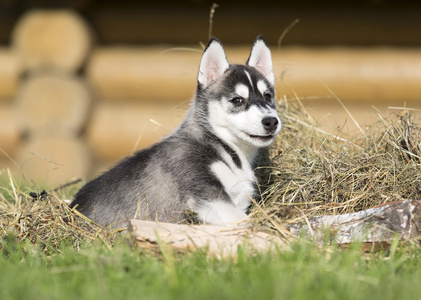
{"x": 374, "y": 75}
{"x": 145, "y": 74}
{"x": 352, "y": 74}
{"x": 119, "y": 129}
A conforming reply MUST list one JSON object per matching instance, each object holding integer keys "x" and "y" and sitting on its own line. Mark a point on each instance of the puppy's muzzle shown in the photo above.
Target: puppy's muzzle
{"x": 270, "y": 124}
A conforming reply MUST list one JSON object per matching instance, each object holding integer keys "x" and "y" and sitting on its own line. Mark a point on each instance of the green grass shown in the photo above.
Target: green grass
{"x": 303, "y": 271}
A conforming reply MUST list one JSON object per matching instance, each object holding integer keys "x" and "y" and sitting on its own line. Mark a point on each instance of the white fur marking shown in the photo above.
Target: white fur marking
{"x": 238, "y": 183}
{"x": 242, "y": 90}
{"x": 218, "y": 121}
{"x": 261, "y": 85}
{"x": 249, "y": 77}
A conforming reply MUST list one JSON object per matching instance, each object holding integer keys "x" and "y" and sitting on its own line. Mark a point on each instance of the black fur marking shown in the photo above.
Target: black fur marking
{"x": 234, "y": 156}
{"x": 236, "y": 75}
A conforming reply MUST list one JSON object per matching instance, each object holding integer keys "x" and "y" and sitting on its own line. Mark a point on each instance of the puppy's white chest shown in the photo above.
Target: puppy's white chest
{"x": 237, "y": 182}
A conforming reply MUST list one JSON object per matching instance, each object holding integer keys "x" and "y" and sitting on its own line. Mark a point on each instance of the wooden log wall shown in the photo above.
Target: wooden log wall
{"x": 67, "y": 105}
{"x": 50, "y": 102}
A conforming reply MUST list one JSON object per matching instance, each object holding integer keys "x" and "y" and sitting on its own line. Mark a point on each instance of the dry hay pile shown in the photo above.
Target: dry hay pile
{"x": 317, "y": 173}
{"x": 45, "y": 219}
{"x": 313, "y": 173}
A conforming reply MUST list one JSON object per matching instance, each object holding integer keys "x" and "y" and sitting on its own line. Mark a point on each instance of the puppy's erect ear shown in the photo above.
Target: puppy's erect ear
{"x": 213, "y": 64}
{"x": 261, "y": 59}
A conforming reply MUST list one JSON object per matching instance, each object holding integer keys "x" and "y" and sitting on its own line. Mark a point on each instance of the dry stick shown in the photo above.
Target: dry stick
{"x": 286, "y": 30}
{"x": 58, "y": 188}
{"x": 15, "y": 194}
{"x": 14, "y": 162}
{"x": 297, "y": 98}
{"x": 85, "y": 233}
{"x": 179, "y": 49}
{"x": 212, "y": 12}
{"x": 345, "y": 204}
{"x": 66, "y": 185}
{"x": 282, "y": 230}
{"x": 403, "y": 108}
{"x": 343, "y": 106}
{"x": 9, "y": 157}
{"x": 310, "y": 228}
{"x": 317, "y": 129}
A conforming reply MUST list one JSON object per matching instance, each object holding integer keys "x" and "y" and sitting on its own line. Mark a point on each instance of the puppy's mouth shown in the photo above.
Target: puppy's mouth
{"x": 263, "y": 138}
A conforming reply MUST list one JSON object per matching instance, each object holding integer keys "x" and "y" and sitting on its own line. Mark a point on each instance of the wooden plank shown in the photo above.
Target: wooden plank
{"x": 353, "y": 74}
{"x": 368, "y": 75}
{"x": 217, "y": 240}
{"x": 145, "y": 74}
{"x": 118, "y": 129}
{"x": 374, "y": 228}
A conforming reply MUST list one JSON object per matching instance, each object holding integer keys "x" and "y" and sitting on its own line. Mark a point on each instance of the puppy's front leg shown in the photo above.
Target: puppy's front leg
{"x": 221, "y": 213}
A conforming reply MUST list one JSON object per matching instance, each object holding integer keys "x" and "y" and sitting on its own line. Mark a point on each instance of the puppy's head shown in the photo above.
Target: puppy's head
{"x": 239, "y": 98}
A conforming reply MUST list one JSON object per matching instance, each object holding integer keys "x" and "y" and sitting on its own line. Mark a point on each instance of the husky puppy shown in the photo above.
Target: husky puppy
{"x": 205, "y": 168}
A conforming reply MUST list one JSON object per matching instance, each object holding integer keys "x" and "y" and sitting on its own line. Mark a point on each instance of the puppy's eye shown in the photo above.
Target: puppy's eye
{"x": 267, "y": 96}
{"x": 237, "y": 101}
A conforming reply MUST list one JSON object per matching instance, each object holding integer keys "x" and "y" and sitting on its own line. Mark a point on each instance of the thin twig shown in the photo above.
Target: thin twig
{"x": 281, "y": 229}
{"x": 344, "y": 107}
{"x": 286, "y": 30}
{"x": 212, "y": 13}
{"x": 66, "y": 185}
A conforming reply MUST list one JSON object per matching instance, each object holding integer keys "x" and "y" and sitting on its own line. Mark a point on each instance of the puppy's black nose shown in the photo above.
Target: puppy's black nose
{"x": 270, "y": 124}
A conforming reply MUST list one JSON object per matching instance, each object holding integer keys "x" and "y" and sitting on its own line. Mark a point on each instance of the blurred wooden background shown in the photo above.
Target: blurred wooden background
{"x": 84, "y": 83}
